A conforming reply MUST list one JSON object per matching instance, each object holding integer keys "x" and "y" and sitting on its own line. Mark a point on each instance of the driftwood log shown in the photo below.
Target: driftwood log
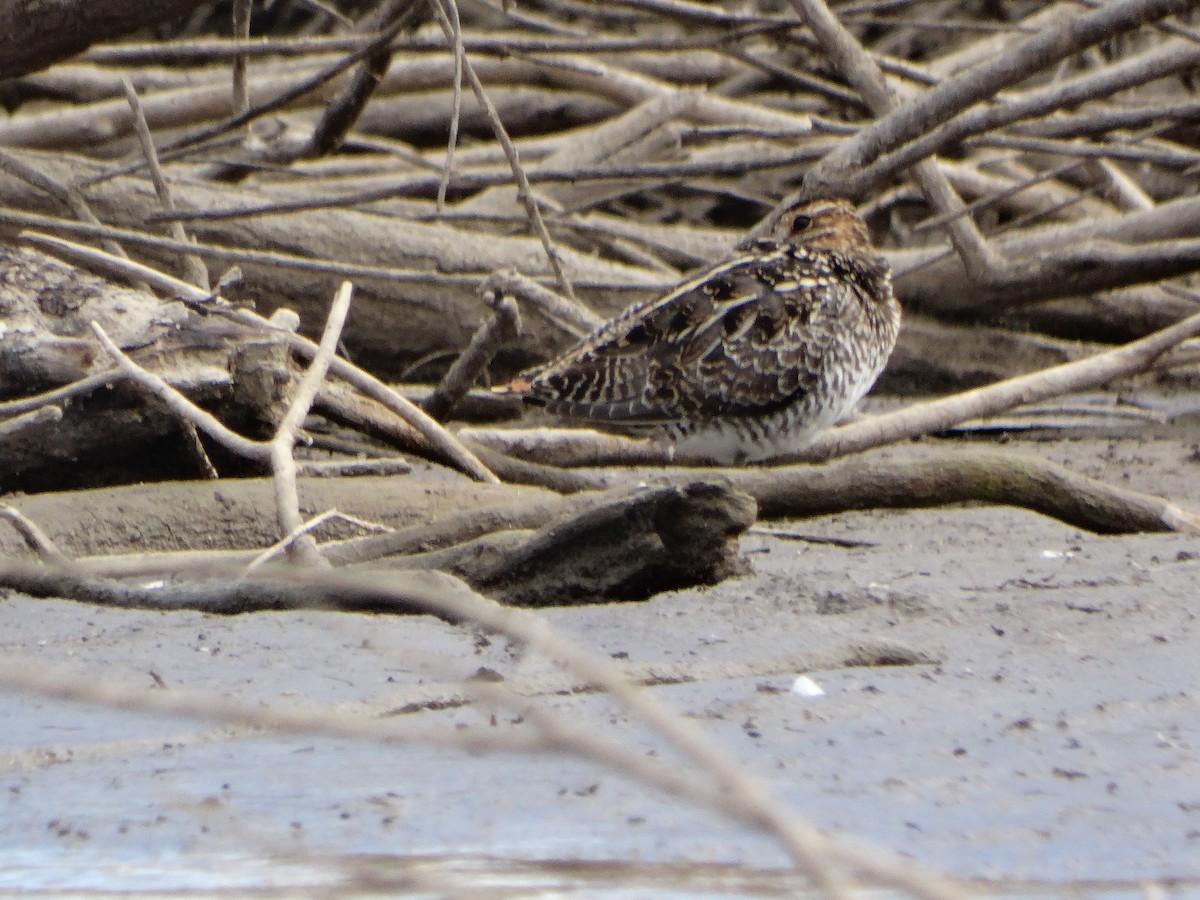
{"x": 622, "y": 546}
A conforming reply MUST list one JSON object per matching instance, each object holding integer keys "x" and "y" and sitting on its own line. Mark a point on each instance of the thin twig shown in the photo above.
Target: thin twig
{"x": 283, "y": 463}
{"x": 455, "y": 106}
{"x": 193, "y": 264}
{"x": 500, "y": 329}
{"x": 192, "y": 438}
{"x": 524, "y": 191}
{"x": 212, "y": 49}
{"x": 227, "y": 254}
{"x": 35, "y": 539}
{"x": 421, "y": 185}
{"x": 241, "y": 32}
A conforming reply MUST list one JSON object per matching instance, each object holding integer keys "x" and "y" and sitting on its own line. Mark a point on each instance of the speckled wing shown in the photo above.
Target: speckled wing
{"x": 743, "y": 338}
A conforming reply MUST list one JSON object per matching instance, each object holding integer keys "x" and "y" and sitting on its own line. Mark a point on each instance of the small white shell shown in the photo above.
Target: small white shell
{"x": 806, "y": 687}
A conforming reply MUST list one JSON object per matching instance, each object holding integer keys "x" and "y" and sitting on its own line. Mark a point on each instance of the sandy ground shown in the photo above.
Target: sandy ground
{"x": 1052, "y": 736}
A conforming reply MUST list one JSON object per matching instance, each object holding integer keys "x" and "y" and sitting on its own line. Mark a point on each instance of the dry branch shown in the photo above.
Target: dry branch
{"x": 500, "y": 329}
{"x": 964, "y": 475}
{"x": 1052, "y": 43}
{"x": 943, "y": 477}
{"x": 430, "y": 270}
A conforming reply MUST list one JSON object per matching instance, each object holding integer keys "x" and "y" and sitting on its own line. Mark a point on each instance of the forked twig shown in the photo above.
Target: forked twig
{"x": 307, "y": 528}
{"x": 283, "y": 462}
{"x": 279, "y": 450}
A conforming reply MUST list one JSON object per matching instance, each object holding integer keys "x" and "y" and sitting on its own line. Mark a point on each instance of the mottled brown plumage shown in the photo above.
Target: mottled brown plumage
{"x": 746, "y": 359}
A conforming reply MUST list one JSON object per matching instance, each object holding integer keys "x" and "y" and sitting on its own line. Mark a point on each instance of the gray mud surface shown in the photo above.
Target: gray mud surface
{"x": 1042, "y": 723}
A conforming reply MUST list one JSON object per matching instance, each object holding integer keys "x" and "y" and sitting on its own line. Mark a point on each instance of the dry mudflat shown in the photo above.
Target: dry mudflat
{"x": 1040, "y": 725}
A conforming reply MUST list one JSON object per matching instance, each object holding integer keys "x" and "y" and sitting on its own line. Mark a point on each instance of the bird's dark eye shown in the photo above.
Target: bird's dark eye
{"x": 800, "y": 223}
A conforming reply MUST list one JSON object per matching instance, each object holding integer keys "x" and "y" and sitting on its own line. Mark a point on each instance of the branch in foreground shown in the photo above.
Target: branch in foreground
{"x": 739, "y": 793}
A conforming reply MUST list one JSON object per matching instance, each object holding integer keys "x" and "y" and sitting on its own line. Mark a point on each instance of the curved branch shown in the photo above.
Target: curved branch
{"x": 963, "y": 475}
{"x": 947, "y": 476}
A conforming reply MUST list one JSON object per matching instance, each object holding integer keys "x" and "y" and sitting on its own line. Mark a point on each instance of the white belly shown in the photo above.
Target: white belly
{"x": 737, "y": 442}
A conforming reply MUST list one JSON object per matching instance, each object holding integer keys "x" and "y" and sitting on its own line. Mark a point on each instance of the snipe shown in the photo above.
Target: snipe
{"x": 747, "y": 359}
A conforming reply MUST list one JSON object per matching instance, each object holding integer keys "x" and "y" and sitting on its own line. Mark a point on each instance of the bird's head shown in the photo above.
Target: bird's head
{"x": 828, "y": 224}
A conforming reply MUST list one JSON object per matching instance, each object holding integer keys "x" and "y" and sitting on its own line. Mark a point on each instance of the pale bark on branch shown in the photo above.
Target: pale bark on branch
{"x": 1054, "y": 42}
{"x": 938, "y": 478}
